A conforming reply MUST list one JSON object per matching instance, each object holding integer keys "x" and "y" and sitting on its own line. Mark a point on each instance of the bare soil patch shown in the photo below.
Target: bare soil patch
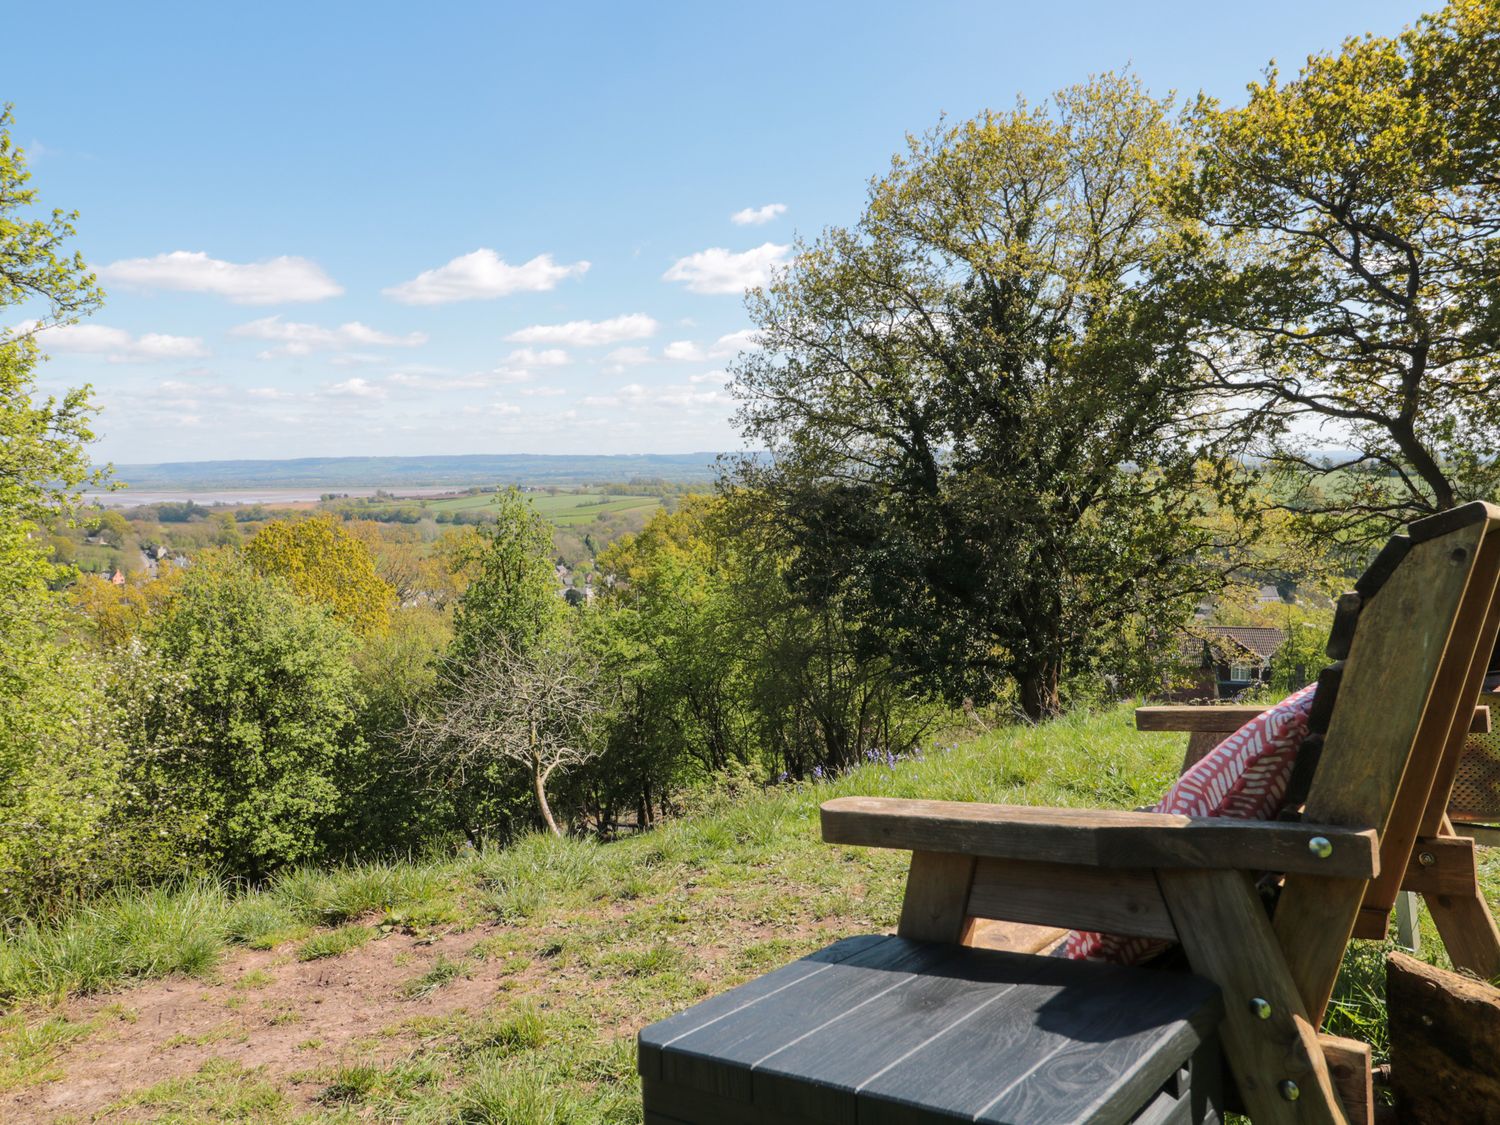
{"x": 304, "y": 1015}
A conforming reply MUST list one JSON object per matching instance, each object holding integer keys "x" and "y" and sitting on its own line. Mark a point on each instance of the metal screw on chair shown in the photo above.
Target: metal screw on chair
{"x": 1320, "y": 846}
{"x": 1426, "y": 859}
{"x": 1289, "y": 1090}
{"x": 1260, "y": 1008}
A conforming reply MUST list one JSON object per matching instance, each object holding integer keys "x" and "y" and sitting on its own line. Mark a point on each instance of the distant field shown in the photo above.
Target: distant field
{"x": 566, "y": 509}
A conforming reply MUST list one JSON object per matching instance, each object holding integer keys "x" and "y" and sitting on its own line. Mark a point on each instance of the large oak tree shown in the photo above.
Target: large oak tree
{"x": 972, "y": 398}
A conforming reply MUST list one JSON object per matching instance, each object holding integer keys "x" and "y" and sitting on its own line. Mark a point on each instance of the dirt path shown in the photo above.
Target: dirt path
{"x": 264, "y": 1009}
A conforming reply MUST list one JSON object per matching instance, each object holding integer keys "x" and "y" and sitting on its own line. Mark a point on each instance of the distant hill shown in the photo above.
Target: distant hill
{"x": 412, "y": 472}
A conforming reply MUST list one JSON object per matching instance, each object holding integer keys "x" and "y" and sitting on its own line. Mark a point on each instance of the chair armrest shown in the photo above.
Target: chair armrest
{"x": 1210, "y": 719}
{"x": 1100, "y": 838}
{"x": 1226, "y": 719}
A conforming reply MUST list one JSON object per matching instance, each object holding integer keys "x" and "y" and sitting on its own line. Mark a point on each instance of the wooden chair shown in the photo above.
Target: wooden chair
{"x": 1473, "y": 807}
{"x": 1373, "y": 822}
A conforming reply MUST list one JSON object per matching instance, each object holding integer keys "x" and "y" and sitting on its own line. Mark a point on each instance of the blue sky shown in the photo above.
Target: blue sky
{"x": 359, "y": 229}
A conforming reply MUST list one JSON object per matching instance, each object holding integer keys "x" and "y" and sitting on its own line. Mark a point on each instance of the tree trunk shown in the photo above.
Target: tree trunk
{"x": 539, "y": 783}
{"x": 1039, "y": 699}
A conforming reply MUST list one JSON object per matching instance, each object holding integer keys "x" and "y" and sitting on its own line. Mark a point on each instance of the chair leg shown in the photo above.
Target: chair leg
{"x": 1270, "y": 1043}
{"x": 1407, "y": 933}
{"x": 1468, "y": 931}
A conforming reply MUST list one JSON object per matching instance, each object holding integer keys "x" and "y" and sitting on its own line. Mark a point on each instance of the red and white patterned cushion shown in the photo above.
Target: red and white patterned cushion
{"x": 1245, "y": 777}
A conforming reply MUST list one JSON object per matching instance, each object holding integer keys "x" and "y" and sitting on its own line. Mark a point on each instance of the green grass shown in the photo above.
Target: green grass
{"x": 584, "y": 940}
{"x": 331, "y": 943}
{"x": 566, "y": 509}
{"x": 444, "y": 969}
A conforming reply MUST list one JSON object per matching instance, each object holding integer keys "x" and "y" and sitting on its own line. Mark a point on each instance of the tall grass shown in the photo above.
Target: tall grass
{"x": 763, "y": 850}
{"x": 125, "y": 935}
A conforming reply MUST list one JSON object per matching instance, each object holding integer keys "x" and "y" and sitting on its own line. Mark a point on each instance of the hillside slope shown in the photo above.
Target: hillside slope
{"x": 504, "y": 986}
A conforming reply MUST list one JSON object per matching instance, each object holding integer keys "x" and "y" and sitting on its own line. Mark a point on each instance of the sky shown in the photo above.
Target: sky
{"x": 331, "y": 229}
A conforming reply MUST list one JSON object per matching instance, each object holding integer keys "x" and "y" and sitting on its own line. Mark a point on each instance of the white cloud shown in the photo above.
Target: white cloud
{"x": 480, "y": 275}
{"x": 419, "y": 380}
{"x": 209, "y": 390}
{"x": 245, "y": 283}
{"x": 503, "y": 374}
{"x": 717, "y": 270}
{"x": 270, "y": 392}
{"x": 755, "y": 216}
{"x": 498, "y": 408}
{"x": 621, "y": 358}
{"x": 302, "y": 339}
{"x": 720, "y": 377}
{"x": 588, "y": 333}
{"x": 543, "y": 392}
{"x": 530, "y": 357}
{"x": 118, "y": 345}
{"x": 746, "y": 339}
{"x": 635, "y": 396}
{"x": 684, "y": 350}
{"x": 356, "y": 388}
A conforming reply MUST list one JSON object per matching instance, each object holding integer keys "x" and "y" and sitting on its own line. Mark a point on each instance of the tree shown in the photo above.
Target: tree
{"x": 675, "y": 592}
{"x": 58, "y": 767}
{"x": 324, "y": 563}
{"x": 43, "y": 456}
{"x": 531, "y": 708}
{"x": 512, "y": 595}
{"x": 1348, "y": 296}
{"x": 973, "y": 400}
{"x": 265, "y": 711}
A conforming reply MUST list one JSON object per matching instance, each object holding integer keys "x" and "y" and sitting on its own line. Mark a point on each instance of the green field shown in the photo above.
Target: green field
{"x": 566, "y": 509}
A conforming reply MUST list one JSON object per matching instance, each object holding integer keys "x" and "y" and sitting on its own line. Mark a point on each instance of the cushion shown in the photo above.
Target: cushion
{"x": 1244, "y": 777}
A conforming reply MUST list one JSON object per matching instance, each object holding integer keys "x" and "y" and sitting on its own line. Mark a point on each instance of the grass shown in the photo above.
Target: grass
{"x": 583, "y": 941}
{"x": 444, "y": 970}
{"x": 331, "y": 943}
{"x": 566, "y": 509}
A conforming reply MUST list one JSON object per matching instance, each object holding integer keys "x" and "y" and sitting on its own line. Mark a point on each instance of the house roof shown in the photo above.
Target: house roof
{"x": 1258, "y": 641}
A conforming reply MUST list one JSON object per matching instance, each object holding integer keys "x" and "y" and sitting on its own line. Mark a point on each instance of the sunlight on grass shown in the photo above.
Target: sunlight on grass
{"x": 584, "y": 941}
{"x": 331, "y": 943}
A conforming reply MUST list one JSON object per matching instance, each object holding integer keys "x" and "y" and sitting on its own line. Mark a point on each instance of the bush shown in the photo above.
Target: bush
{"x": 266, "y": 710}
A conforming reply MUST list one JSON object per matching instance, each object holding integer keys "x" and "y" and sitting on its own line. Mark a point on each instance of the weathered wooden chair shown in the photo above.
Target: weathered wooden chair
{"x": 1473, "y": 804}
{"x": 1392, "y": 717}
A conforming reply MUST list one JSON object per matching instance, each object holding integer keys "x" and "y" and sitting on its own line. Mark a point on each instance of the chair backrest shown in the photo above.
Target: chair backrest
{"x": 1397, "y": 714}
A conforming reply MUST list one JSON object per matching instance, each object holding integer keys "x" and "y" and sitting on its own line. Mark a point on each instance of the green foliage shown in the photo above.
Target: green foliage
{"x": 1352, "y": 275}
{"x": 124, "y": 935}
{"x": 57, "y": 761}
{"x": 32, "y": 267}
{"x": 512, "y": 591}
{"x": 60, "y": 767}
{"x": 719, "y": 677}
{"x": 380, "y": 809}
{"x": 266, "y": 709}
{"x": 974, "y": 401}
{"x": 322, "y": 562}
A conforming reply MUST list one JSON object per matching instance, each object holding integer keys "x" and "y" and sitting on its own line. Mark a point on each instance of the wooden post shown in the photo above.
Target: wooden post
{"x": 1445, "y": 1044}
{"x": 936, "y": 906}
